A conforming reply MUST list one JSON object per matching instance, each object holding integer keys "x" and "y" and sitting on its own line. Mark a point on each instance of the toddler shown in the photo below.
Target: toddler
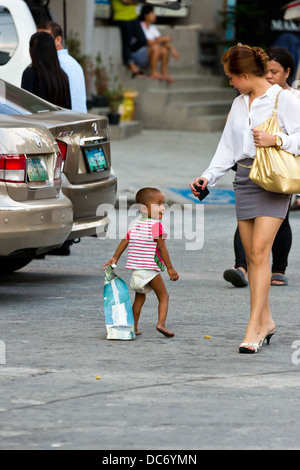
{"x": 148, "y": 256}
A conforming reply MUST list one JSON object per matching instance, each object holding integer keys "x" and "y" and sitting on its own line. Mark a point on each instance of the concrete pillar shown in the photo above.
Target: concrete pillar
{"x": 80, "y": 20}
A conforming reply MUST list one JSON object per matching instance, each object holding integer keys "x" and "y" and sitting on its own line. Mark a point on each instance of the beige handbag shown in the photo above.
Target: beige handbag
{"x": 273, "y": 169}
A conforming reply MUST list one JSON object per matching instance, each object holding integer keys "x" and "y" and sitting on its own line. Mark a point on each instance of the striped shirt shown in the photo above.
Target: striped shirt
{"x": 142, "y": 251}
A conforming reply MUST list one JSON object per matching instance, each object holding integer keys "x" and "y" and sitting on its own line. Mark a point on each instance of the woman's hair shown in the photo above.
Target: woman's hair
{"x": 145, "y": 11}
{"x": 46, "y": 64}
{"x": 244, "y": 59}
{"x": 284, "y": 58}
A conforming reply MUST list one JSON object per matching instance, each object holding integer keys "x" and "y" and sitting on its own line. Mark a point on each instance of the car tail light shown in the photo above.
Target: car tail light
{"x": 58, "y": 166}
{"x": 13, "y": 168}
{"x": 63, "y": 149}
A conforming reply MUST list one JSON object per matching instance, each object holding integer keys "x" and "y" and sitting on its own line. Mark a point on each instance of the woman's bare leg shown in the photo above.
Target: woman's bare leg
{"x": 258, "y": 236}
{"x": 154, "y": 55}
{"x": 165, "y": 58}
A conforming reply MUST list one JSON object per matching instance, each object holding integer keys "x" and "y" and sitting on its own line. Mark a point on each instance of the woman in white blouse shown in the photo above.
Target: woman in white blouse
{"x": 259, "y": 213}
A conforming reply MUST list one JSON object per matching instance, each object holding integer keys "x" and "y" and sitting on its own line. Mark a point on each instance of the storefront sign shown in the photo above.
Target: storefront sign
{"x": 102, "y": 9}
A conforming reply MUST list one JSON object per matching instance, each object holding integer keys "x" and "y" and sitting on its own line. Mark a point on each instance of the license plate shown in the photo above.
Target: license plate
{"x": 96, "y": 159}
{"x": 37, "y": 169}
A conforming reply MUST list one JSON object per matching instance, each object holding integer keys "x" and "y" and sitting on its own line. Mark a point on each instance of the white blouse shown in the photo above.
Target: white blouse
{"x": 237, "y": 142}
{"x": 151, "y": 32}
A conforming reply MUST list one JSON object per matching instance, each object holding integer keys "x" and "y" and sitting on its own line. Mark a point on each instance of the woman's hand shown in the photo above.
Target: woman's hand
{"x": 196, "y": 183}
{"x": 263, "y": 139}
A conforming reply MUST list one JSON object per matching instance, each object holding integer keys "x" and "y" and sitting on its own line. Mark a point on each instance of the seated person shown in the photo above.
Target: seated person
{"x": 158, "y": 47}
{"x": 133, "y": 38}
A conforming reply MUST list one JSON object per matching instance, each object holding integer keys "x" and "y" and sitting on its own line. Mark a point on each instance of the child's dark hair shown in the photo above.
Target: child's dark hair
{"x": 145, "y": 195}
{"x": 145, "y": 11}
{"x": 284, "y": 58}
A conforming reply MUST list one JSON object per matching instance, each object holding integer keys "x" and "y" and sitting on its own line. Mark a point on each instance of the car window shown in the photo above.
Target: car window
{"x": 8, "y": 36}
{"x": 15, "y": 101}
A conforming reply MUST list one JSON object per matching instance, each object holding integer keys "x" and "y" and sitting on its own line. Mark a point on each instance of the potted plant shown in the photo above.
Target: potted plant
{"x": 86, "y": 62}
{"x": 101, "y": 82}
{"x": 115, "y": 96}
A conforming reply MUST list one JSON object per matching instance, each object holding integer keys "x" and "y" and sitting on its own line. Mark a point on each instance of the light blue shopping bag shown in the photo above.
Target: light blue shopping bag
{"x": 117, "y": 308}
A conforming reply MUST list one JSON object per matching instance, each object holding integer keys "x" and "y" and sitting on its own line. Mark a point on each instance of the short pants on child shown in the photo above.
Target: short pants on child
{"x": 140, "y": 280}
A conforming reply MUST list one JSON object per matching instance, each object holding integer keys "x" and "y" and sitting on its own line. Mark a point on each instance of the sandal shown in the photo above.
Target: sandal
{"x": 279, "y": 278}
{"x": 139, "y": 73}
{"x": 236, "y": 277}
{"x": 250, "y": 348}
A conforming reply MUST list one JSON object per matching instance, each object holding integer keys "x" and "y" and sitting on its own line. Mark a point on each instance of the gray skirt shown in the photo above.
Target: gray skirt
{"x": 252, "y": 201}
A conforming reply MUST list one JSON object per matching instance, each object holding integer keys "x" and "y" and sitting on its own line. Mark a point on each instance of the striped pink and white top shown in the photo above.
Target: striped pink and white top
{"x": 142, "y": 251}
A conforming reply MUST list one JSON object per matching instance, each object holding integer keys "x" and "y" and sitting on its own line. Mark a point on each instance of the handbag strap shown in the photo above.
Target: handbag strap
{"x": 277, "y": 100}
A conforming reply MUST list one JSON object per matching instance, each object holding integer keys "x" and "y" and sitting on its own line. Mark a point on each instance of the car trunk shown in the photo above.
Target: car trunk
{"x": 29, "y": 163}
{"x": 87, "y": 157}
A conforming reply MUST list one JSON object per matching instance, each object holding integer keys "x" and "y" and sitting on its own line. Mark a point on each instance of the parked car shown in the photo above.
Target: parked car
{"x": 16, "y": 28}
{"x": 35, "y": 216}
{"x": 87, "y": 179}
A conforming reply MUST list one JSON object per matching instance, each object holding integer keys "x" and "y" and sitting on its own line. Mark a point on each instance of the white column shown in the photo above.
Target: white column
{"x": 80, "y": 20}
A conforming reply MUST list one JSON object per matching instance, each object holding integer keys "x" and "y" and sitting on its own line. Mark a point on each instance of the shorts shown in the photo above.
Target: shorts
{"x": 140, "y": 280}
{"x": 141, "y": 57}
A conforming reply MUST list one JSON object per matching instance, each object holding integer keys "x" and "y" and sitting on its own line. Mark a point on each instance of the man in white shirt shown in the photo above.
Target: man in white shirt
{"x": 72, "y": 68}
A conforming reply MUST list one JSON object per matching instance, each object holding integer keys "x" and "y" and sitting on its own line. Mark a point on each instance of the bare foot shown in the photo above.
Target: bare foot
{"x": 165, "y": 332}
{"x": 138, "y": 333}
{"x": 168, "y": 78}
{"x": 156, "y": 76}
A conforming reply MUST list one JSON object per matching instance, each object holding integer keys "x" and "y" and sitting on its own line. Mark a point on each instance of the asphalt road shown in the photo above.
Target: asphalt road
{"x": 64, "y": 386}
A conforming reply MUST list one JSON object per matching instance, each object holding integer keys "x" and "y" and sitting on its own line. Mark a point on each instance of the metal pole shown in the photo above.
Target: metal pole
{"x": 41, "y": 11}
{"x": 65, "y": 19}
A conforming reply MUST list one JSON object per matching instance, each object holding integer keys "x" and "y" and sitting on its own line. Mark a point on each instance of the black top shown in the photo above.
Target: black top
{"x": 34, "y": 84}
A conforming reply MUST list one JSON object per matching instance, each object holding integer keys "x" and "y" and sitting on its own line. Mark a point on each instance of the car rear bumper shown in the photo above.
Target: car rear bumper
{"x": 34, "y": 225}
{"x": 89, "y": 228}
{"x": 86, "y": 200}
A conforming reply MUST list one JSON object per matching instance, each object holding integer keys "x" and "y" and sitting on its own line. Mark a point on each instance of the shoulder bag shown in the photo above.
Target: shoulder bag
{"x": 274, "y": 169}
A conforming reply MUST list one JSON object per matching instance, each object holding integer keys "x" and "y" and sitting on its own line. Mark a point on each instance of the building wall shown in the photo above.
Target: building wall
{"x": 80, "y": 20}
{"x": 205, "y": 12}
{"x": 95, "y": 36}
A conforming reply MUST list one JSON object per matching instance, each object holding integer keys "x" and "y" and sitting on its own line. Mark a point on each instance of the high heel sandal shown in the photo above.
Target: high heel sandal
{"x": 268, "y": 338}
{"x": 249, "y": 348}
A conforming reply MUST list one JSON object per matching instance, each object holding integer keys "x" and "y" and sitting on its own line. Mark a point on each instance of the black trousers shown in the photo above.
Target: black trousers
{"x": 133, "y": 38}
{"x": 280, "y": 250}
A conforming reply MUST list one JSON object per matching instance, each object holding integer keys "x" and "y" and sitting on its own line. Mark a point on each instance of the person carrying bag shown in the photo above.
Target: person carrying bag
{"x": 260, "y": 212}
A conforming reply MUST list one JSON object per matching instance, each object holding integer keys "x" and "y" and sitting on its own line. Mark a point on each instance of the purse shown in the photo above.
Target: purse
{"x": 273, "y": 169}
